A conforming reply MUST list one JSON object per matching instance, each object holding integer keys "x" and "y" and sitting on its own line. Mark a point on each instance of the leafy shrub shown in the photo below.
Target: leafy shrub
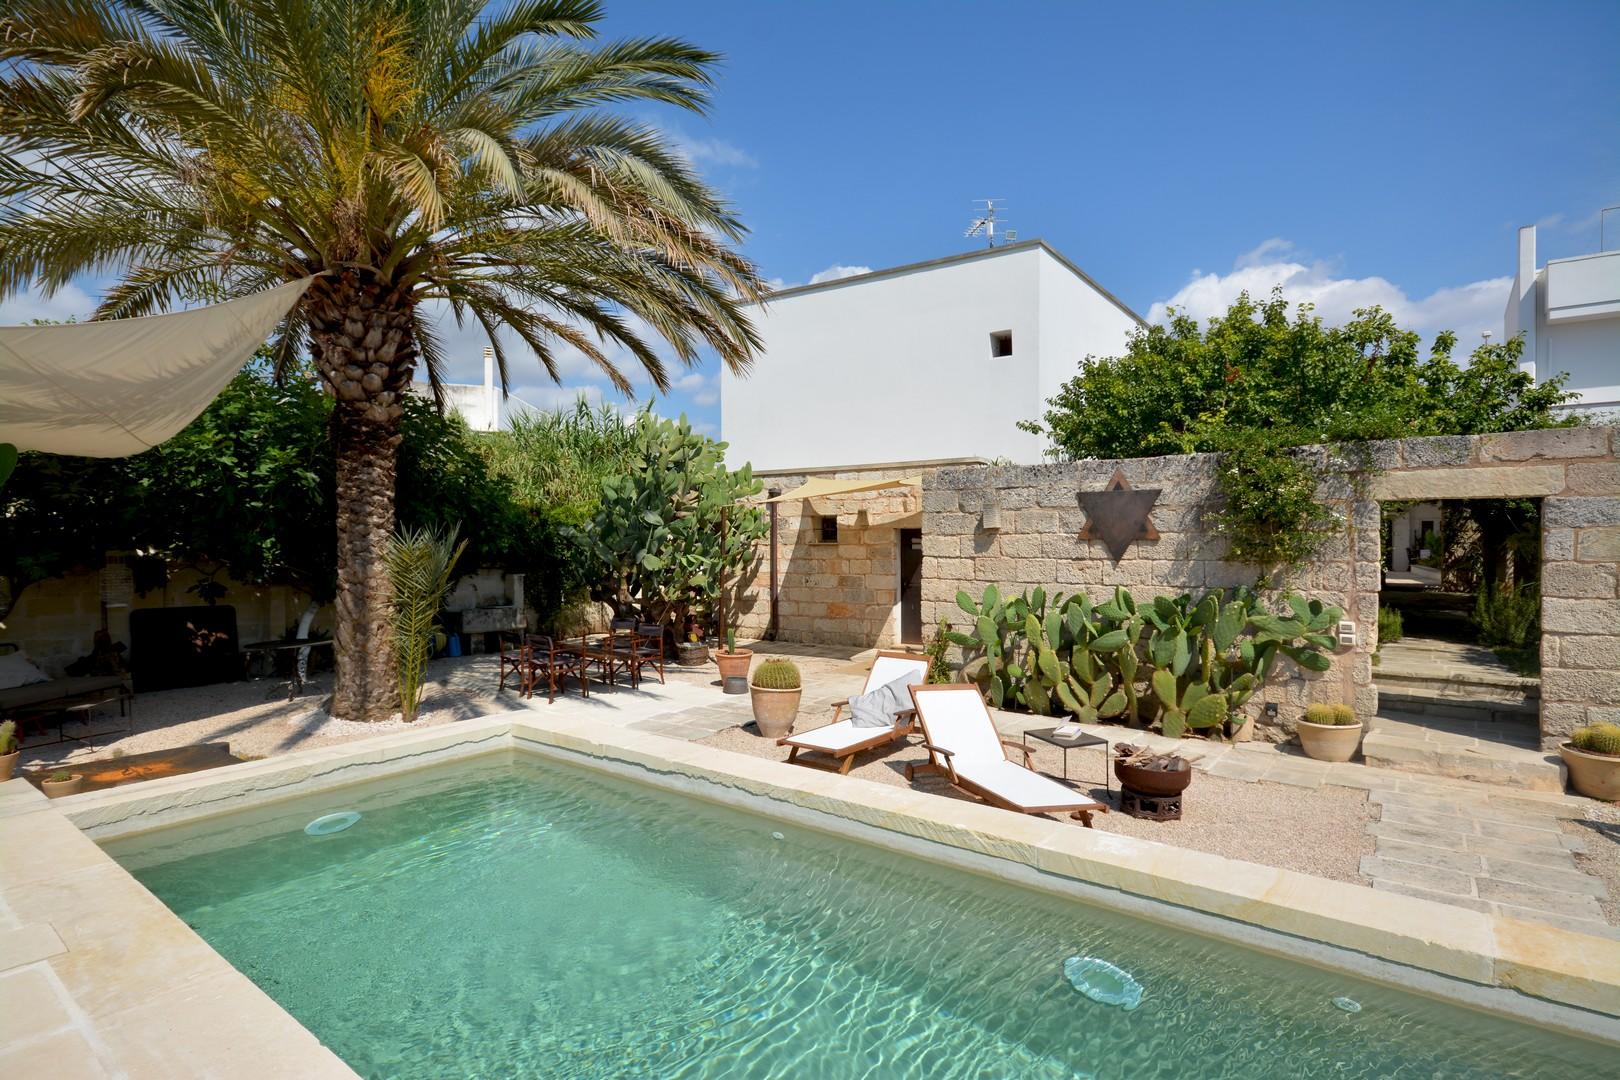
{"x": 939, "y": 667}
{"x": 1508, "y": 617}
{"x": 777, "y": 674}
{"x": 419, "y": 565}
{"x": 1390, "y": 627}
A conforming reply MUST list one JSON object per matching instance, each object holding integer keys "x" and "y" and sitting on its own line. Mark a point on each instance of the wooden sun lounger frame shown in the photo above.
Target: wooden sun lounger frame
{"x": 844, "y": 758}
{"x": 939, "y": 761}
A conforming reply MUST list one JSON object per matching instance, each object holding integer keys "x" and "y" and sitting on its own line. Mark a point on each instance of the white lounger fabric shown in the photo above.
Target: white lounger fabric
{"x": 1017, "y": 784}
{"x": 957, "y": 721}
{"x": 834, "y": 737}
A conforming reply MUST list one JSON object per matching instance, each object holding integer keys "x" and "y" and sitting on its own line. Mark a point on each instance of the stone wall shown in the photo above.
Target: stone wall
{"x": 835, "y": 594}
{"x": 55, "y": 621}
{"x": 1574, "y": 471}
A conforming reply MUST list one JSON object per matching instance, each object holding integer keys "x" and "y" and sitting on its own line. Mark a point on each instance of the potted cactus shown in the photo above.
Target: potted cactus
{"x": 776, "y": 691}
{"x": 1330, "y": 732}
{"x": 10, "y": 751}
{"x": 734, "y": 663}
{"x": 62, "y": 782}
{"x": 1592, "y": 755}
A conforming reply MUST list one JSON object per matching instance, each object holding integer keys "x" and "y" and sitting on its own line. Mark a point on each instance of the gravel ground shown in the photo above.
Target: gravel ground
{"x": 1321, "y": 832}
{"x": 1600, "y": 828}
{"x": 257, "y": 720}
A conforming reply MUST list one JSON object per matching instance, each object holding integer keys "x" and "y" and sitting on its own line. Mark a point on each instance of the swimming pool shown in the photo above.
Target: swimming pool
{"x": 511, "y": 917}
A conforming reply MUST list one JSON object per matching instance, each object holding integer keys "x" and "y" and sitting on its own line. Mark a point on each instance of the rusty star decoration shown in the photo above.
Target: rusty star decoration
{"x": 1119, "y": 515}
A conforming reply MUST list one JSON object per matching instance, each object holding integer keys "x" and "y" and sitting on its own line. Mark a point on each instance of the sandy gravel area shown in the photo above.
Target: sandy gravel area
{"x": 1600, "y": 829}
{"x": 1321, "y": 831}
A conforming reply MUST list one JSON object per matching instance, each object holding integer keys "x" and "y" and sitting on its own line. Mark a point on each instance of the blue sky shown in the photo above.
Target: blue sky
{"x": 1365, "y": 152}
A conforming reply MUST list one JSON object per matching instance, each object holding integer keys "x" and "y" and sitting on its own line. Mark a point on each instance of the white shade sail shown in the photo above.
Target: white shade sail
{"x": 115, "y": 388}
{"x": 824, "y": 486}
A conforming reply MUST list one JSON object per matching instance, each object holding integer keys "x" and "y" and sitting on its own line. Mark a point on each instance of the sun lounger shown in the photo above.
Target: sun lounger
{"x": 841, "y": 740}
{"x": 964, "y": 747}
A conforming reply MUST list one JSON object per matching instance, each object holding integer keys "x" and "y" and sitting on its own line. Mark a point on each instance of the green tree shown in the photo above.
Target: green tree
{"x": 398, "y": 152}
{"x": 671, "y": 533}
{"x": 1181, "y": 388}
{"x": 1257, "y": 384}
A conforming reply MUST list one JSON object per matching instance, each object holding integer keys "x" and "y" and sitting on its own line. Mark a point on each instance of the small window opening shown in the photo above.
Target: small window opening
{"x": 828, "y": 528}
{"x": 1001, "y": 343}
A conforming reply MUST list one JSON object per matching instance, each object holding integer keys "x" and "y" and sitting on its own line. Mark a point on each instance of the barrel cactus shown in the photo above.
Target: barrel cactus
{"x": 1326, "y": 715}
{"x": 777, "y": 674}
{"x": 1601, "y": 738}
{"x": 1344, "y": 715}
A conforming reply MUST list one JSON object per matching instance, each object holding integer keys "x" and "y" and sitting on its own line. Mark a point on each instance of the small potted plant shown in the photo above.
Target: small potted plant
{"x": 10, "y": 750}
{"x": 692, "y": 651}
{"x": 1592, "y": 755}
{"x": 1330, "y": 732}
{"x": 776, "y": 691}
{"x": 62, "y": 782}
{"x": 734, "y": 664}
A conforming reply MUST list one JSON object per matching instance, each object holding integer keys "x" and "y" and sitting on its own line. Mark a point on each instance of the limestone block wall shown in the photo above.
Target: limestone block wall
{"x": 834, "y": 594}
{"x": 1574, "y": 471}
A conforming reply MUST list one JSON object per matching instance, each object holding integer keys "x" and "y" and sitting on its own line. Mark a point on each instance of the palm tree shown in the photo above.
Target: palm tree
{"x": 401, "y": 152}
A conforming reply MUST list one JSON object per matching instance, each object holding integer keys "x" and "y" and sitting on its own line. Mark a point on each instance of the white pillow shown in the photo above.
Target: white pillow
{"x": 877, "y": 708}
{"x": 17, "y": 670}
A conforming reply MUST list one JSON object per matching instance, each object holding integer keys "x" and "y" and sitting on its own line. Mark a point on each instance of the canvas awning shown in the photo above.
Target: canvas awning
{"x": 820, "y": 487}
{"x": 117, "y": 387}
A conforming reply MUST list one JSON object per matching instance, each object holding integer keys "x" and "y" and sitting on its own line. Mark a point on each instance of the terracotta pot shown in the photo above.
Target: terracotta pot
{"x": 775, "y": 710}
{"x": 1156, "y": 782}
{"x": 55, "y": 789}
{"x": 691, "y": 653}
{"x": 734, "y": 665}
{"x": 1330, "y": 742}
{"x": 8, "y": 765}
{"x": 1597, "y": 776}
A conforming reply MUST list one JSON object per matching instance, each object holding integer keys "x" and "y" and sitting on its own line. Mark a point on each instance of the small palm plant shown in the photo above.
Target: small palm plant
{"x": 419, "y": 564}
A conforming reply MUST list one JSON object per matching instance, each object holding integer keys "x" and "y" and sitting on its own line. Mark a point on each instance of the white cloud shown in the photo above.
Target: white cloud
{"x": 706, "y": 150}
{"x": 1466, "y": 309}
{"x": 706, "y": 398}
{"x": 836, "y": 271}
{"x": 692, "y": 380}
{"x": 69, "y": 302}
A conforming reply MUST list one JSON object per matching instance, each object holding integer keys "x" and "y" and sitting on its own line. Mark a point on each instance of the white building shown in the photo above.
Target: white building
{"x": 484, "y": 407}
{"x": 1569, "y": 314}
{"x": 932, "y": 361}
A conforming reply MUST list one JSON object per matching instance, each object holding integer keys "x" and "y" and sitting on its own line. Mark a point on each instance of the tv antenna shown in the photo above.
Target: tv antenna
{"x": 984, "y": 223}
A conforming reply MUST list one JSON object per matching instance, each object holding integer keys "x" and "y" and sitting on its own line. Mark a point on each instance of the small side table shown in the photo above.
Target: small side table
{"x": 1079, "y": 741}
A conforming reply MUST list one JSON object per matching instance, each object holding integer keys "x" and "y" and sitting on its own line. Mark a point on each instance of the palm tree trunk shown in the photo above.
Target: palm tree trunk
{"x": 361, "y": 332}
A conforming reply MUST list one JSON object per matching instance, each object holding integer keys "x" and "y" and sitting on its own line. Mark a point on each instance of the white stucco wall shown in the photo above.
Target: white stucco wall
{"x": 1569, "y": 314}
{"x": 897, "y": 366}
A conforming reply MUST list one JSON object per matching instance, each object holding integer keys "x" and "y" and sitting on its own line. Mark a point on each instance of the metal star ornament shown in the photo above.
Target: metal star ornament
{"x": 1119, "y": 515}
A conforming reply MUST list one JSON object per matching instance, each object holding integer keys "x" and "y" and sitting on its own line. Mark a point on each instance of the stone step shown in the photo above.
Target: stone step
{"x": 1443, "y": 701}
{"x": 1484, "y": 679}
{"x": 1483, "y": 762}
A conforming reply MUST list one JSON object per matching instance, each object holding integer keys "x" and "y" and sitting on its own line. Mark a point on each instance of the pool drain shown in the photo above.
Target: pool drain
{"x": 331, "y": 823}
{"x": 1102, "y": 982}
{"x": 1349, "y": 1005}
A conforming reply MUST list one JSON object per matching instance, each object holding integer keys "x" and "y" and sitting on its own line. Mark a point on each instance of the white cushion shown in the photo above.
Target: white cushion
{"x": 879, "y": 708}
{"x": 1018, "y": 785}
{"x": 834, "y": 737}
{"x": 17, "y": 670}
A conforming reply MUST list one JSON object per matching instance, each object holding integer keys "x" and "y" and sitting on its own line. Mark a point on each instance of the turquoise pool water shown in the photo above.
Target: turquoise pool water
{"x": 518, "y": 919}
